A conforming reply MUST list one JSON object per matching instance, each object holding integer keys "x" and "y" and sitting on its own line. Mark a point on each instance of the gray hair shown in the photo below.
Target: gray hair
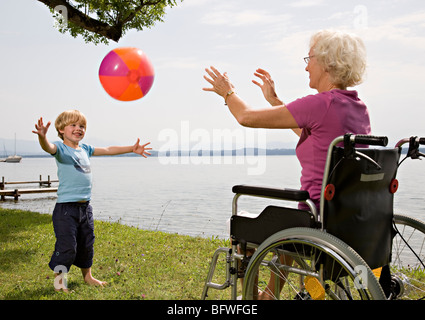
{"x": 343, "y": 56}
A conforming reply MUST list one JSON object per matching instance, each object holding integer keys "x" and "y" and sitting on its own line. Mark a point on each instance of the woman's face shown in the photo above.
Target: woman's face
{"x": 319, "y": 78}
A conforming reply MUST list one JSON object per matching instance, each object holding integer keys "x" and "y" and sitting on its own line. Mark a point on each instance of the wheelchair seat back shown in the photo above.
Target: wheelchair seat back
{"x": 358, "y": 202}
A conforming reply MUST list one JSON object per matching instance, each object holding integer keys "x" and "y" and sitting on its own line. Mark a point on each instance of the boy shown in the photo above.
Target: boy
{"x": 72, "y": 216}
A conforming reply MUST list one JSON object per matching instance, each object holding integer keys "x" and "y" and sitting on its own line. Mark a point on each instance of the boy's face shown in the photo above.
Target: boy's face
{"x": 73, "y": 132}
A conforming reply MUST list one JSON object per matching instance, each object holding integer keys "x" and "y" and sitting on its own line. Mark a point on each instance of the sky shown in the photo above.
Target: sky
{"x": 44, "y": 72}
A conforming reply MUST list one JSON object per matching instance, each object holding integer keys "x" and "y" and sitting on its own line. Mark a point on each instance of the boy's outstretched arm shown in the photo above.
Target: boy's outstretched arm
{"x": 115, "y": 150}
{"x": 41, "y": 131}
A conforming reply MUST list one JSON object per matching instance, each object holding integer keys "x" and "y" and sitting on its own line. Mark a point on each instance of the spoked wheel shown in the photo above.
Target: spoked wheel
{"x": 308, "y": 264}
{"x": 408, "y": 259}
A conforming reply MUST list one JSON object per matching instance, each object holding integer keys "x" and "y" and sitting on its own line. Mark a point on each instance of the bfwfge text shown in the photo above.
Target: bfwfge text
{"x": 214, "y": 309}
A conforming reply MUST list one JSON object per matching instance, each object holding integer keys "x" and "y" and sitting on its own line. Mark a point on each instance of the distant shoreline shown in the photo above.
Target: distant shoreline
{"x": 198, "y": 153}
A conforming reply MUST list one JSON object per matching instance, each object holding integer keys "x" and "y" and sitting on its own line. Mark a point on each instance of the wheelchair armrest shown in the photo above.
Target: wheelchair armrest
{"x": 284, "y": 194}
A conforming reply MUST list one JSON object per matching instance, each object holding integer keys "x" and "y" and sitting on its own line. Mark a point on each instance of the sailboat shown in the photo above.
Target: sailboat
{"x": 15, "y": 158}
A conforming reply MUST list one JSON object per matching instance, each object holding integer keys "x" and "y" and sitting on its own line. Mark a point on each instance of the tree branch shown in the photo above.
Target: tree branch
{"x": 137, "y": 9}
{"x": 108, "y": 25}
{"x": 86, "y": 22}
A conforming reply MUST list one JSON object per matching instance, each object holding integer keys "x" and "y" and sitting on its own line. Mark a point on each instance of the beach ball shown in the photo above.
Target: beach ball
{"x": 126, "y": 74}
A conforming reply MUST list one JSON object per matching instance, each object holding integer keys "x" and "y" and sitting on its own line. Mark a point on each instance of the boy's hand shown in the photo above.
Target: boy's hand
{"x": 41, "y": 128}
{"x": 41, "y": 131}
{"x": 141, "y": 149}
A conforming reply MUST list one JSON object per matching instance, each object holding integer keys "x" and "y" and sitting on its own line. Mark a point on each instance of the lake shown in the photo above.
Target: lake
{"x": 187, "y": 195}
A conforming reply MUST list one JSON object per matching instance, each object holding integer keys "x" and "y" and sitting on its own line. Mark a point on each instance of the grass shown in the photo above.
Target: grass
{"x": 137, "y": 264}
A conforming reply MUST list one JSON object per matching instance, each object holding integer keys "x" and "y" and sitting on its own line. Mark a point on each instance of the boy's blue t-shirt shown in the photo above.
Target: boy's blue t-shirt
{"x": 74, "y": 172}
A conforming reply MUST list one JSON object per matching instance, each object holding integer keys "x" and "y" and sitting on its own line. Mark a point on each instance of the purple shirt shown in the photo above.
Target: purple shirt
{"x": 323, "y": 117}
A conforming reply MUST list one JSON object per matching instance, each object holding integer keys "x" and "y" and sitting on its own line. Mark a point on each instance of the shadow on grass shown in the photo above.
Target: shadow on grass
{"x": 15, "y": 243}
{"x": 42, "y": 291}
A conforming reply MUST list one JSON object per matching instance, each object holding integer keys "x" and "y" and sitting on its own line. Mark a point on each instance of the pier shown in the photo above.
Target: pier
{"x": 44, "y": 186}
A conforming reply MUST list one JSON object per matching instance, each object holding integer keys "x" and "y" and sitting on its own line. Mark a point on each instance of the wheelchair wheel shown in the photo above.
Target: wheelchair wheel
{"x": 408, "y": 259}
{"x": 308, "y": 264}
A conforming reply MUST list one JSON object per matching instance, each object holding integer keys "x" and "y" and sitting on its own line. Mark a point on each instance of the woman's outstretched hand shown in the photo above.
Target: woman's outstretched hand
{"x": 267, "y": 87}
{"x": 220, "y": 82}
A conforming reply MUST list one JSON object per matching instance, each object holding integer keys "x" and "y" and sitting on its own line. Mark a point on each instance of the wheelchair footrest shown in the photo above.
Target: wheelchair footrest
{"x": 208, "y": 282}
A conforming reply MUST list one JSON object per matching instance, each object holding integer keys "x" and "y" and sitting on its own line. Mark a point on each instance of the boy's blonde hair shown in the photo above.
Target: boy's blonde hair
{"x": 68, "y": 117}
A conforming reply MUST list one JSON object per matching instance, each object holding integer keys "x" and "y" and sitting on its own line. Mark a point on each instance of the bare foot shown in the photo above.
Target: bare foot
{"x": 90, "y": 280}
{"x": 263, "y": 295}
{"x": 94, "y": 282}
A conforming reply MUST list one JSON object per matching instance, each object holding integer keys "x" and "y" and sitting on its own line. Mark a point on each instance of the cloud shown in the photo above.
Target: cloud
{"x": 195, "y": 3}
{"x": 406, "y": 32}
{"x": 185, "y": 63}
{"x": 306, "y": 3}
{"x": 242, "y": 18}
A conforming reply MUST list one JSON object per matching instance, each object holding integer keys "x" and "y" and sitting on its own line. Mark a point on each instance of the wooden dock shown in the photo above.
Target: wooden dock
{"x": 44, "y": 186}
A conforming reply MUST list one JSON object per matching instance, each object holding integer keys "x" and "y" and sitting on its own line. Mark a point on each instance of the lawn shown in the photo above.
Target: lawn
{"x": 136, "y": 264}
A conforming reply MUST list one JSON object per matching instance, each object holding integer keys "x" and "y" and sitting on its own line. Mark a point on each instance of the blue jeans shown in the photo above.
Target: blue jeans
{"x": 74, "y": 230}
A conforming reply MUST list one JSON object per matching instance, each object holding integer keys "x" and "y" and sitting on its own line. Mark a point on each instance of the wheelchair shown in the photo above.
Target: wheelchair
{"x": 408, "y": 252}
{"x": 353, "y": 247}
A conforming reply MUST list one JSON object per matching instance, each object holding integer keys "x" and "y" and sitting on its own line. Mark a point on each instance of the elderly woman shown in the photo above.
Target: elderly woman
{"x": 335, "y": 62}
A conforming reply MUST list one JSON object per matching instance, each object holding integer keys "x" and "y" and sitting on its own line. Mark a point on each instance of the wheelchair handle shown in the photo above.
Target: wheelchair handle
{"x": 371, "y": 140}
{"x": 414, "y": 143}
{"x": 407, "y": 140}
